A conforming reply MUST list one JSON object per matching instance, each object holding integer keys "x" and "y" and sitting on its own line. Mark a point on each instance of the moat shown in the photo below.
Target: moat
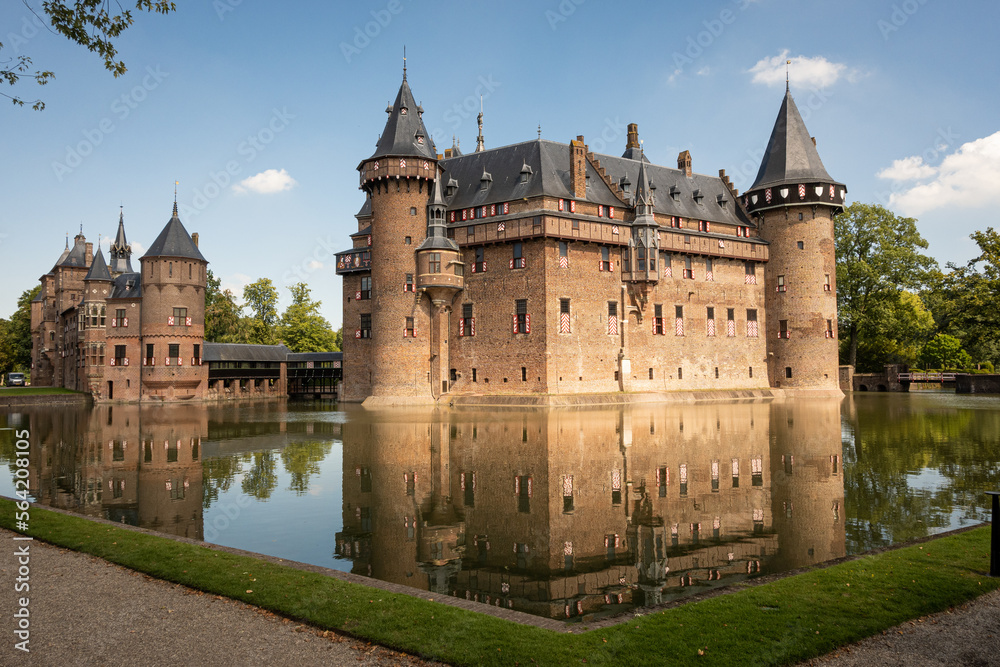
{"x": 558, "y": 512}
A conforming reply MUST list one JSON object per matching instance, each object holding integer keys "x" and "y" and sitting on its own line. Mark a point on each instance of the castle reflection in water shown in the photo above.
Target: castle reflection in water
{"x": 559, "y": 512}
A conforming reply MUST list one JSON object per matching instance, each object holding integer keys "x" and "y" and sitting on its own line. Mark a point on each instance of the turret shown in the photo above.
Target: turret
{"x": 793, "y": 201}
{"x": 389, "y": 354}
{"x": 121, "y": 251}
{"x": 644, "y": 246}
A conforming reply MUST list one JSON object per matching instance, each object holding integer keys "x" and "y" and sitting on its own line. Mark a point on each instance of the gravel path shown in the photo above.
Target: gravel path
{"x": 86, "y": 611}
{"x": 967, "y": 635}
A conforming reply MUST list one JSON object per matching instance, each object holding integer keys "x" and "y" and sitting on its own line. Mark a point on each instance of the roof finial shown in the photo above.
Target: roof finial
{"x": 787, "y": 63}
{"x": 404, "y": 62}
{"x": 175, "y": 197}
{"x": 539, "y": 130}
{"x": 480, "y": 143}
{"x": 81, "y": 229}
{"x": 67, "y": 240}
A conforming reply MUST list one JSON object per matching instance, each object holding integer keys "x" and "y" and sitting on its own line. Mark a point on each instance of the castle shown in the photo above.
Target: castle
{"x": 120, "y": 334}
{"x": 542, "y": 268}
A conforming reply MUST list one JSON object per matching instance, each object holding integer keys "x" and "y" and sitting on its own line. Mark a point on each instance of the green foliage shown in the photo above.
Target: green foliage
{"x": 15, "y": 335}
{"x": 87, "y": 23}
{"x": 262, "y": 298}
{"x": 966, "y": 300}
{"x": 945, "y": 352}
{"x": 302, "y": 328}
{"x": 223, "y": 322}
{"x": 878, "y": 259}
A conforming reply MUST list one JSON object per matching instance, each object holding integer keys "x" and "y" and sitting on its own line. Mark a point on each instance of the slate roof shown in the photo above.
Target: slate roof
{"x": 791, "y": 156}
{"x": 437, "y": 228}
{"x": 127, "y": 286}
{"x": 64, "y": 255}
{"x": 77, "y": 257}
{"x": 99, "y": 268}
{"x": 174, "y": 241}
{"x": 244, "y": 352}
{"x": 403, "y": 128}
{"x": 366, "y": 209}
{"x": 315, "y": 356}
{"x": 550, "y": 161}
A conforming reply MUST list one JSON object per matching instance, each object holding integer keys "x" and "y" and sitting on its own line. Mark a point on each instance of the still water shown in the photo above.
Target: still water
{"x": 558, "y": 512}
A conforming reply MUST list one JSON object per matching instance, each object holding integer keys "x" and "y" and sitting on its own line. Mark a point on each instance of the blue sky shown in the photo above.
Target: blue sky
{"x": 263, "y": 110}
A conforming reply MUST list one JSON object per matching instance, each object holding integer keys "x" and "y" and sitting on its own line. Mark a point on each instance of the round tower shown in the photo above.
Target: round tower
{"x": 793, "y": 201}
{"x": 172, "y": 331}
{"x": 398, "y": 177}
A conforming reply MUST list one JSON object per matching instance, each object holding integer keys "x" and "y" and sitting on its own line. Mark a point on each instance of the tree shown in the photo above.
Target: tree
{"x": 966, "y": 300}
{"x": 223, "y": 322}
{"x": 877, "y": 259}
{"x": 302, "y": 328}
{"x": 945, "y": 352}
{"x": 262, "y": 298}
{"x": 19, "y": 329}
{"x": 897, "y": 333}
{"x": 89, "y": 23}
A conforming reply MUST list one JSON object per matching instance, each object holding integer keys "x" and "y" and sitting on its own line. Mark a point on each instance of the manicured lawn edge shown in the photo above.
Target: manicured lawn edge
{"x": 777, "y": 623}
{"x": 35, "y": 391}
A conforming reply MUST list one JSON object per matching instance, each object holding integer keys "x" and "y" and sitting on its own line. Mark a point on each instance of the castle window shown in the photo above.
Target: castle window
{"x": 658, "y": 319}
{"x": 650, "y": 373}
{"x": 688, "y": 271}
{"x": 680, "y": 373}
{"x": 467, "y": 324}
{"x": 668, "y": 270}
{"x": 640, "y": 256}
{"x": 612, "y": 318}
{"x": 710, "y": 323}
{"x": 750, "y": 269}
{"x": 366, "y": 288}
{"x": 413, "y": 210}
{"x": 709, "y": 266}
{"x": 189, "y": 270}
{"x": 730, "y": 322}
{"x": 196, "y": 357}
{"x": 119, "y": 317}
{"x": 783, "y": 329}
{"x": 678, "y": 320}
{"x": 752, "y": 331}
{"x": 781, "y": 283}
{"x": 605, "y": 263}
{"x": 170, "y": 269}
{"x": 470, "y": 231}
{"x": 704, "y": 226}
{"x": 408, "y": 331}
{"x": 174, "y": 354}
{"x": 675, "y": 221}
{"x": 567, "y": 494}
{"x": 575, "y": 225}
{"x": 434, "y": 262}
{"x": 517, "y": 261}
{"x": 751, "y": 371}
{"x": 826, "y": 285}
{"x": 475, "y": 375}
{"x": 536, "y": 224}
{"x": 408, "y": 283}
{"x": 524, "y": 373}
{"x": 564, "y": 316}
{"x": 459, "y": 268}
{"x": 522, "y": 321}
{"x": 479, "y": 266}
{"x": 802, "y": 245}
{"x": 150, "y": 356}
{"x": 788, "y": 371}
{"x": 180, "y": 318}
{"x": 407, "y": 240}
{"x": 829, "y": 329}
{"x": 563, "y": 255}
{"x": 366, "y": 326}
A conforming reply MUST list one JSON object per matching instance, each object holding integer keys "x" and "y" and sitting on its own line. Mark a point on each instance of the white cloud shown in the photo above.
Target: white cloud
{"x": 138, "y": 250}
{"x": 815, "y": 72}
{"x": 266, "y": 182}
{"x": 967, "y": 178}
{"x": 907, "y": 169}
{"x": 314, "y": 265}
{"x": 704, "y": 71}
{"x": 235, "y": 283}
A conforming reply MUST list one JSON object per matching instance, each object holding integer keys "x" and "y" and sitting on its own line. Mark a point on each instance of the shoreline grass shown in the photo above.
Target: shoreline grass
{"x": 35, "y": 391}
{"x": 777, "y": 623}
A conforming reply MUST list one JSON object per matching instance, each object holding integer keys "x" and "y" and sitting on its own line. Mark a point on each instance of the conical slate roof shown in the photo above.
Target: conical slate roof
{"x": 174, "y": 241}
{"x": 791, "y": 156}
{"x": 121, "y": 251}
{"x": 437, "y": 230}
{"x": 404, "y": 133}
{"x": 78, "y": 255}
{"x": 643, "y": 194}
{"x": 99, "y": 269}
{"x": 64, "y": 255}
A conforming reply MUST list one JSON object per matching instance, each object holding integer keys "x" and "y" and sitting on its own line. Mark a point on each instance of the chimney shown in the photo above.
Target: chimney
{"x": 633, "y": 136}
{"x": 684, "y": 162}
{"x": 578, "y": 167}
{"x": 89, "y": 256}
{"x": 447, "y": 154}
{"x": 194, "y": 237}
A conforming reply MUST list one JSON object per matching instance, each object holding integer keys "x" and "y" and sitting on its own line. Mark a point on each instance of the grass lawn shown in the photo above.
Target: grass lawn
{"x": 34, "y": 391}
{"x": 778, "y": 623}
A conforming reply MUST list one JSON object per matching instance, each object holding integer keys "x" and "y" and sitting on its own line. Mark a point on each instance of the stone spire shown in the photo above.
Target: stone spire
{"x": 121, "y": 251}
{"x": 404, "y": 134}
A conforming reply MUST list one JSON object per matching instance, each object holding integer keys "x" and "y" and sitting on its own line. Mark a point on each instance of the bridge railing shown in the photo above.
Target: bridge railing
{"x": 927, "y": 377}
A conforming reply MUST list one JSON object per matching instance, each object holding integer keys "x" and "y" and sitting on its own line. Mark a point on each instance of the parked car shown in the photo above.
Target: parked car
{"x": 15, "y": 379}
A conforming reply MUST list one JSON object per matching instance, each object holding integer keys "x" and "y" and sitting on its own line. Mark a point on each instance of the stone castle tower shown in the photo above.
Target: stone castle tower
{"x": 793, "y": 201}
{"x": 400, "y": 337}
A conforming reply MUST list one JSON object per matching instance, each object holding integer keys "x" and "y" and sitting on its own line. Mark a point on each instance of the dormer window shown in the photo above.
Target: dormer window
{"x": 402, "y": 111}
{"x": 698, "y": 196}
{"x": 451, "y": 187}
{"x": 420, "y": 138}
{"x": 675, "y": 193}
{"x": 625, "y": 183}
{"x": 526, "y": 172}
{"x": 721, "y": 200}
{"x": 485, "y": 180}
